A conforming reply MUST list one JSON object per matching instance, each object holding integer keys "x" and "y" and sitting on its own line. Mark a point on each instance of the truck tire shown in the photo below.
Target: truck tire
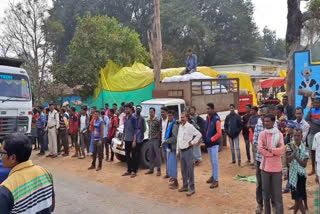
{"x": 121, "y": 157}
{"x": 145, "y": 156}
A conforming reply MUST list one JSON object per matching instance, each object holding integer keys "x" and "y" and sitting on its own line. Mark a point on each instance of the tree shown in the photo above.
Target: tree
{"x": 271, "y": 46}
{"x": 296, "y": 19}
{"x": 155, "y": 44}
{"x": 24, "y": 35}
{"x": 98, "y": 39}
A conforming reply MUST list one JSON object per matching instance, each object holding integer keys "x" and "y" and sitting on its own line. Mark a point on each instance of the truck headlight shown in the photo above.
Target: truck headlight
{"x": 22, "y": 129}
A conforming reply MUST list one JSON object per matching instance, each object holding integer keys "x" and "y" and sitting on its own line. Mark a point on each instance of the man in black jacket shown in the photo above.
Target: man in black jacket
{"x": 233, "y": 127}
{"x": 288, "y": 109}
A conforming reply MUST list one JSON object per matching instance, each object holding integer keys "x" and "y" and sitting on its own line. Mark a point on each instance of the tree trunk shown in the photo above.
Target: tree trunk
{"x": 155, "y": 44}
{"x": 293, "y": 37}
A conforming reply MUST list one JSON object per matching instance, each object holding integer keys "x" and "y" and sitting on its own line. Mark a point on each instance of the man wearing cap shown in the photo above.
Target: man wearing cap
{"x": 53, "y": 127}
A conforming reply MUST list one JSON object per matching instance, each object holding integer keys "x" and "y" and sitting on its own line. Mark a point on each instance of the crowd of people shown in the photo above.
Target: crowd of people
{"x": 281, "y": 142}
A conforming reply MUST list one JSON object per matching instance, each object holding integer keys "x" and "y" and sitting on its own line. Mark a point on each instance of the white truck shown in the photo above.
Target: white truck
{"x": 15, "y": 98}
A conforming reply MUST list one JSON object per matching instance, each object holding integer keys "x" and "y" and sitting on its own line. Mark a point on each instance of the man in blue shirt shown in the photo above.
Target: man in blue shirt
{"x": 41, "y": 124}
{"x": 191, "y": 63}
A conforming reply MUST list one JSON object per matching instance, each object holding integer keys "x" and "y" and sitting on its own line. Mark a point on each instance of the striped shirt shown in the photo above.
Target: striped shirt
{"x": 28, "y": 189}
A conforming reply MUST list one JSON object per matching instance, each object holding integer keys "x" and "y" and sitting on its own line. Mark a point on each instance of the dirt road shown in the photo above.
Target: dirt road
{"x": 147, "y": 191}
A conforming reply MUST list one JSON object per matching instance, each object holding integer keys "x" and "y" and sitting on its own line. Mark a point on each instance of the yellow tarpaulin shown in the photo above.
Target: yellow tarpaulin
{"x": 115, "y": 78}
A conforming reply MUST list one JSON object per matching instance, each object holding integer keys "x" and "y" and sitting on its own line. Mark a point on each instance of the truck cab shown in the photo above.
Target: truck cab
{"x": 15, "y": 98}
{"x": 177, "y": 105}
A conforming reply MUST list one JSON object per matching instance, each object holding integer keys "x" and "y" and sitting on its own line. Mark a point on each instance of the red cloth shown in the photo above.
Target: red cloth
{"x": 219, "y": 132}
{"x": 250, "y": 135}
{"x": 74, "y": 124}
{"x": 113, "y": 127}
{"x": 275, "y": 82}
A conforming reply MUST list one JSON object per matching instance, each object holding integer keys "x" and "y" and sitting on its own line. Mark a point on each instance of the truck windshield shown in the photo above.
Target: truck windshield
{"x": 146, "y": 107}
{"x": 14, "y": 87}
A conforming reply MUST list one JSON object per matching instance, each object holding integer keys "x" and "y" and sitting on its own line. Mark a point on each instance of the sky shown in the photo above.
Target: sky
{"x": 271, "y": 13}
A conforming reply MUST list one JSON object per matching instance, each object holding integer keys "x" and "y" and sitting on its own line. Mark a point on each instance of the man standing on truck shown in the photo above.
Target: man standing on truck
{"x": 164, "y": 124}
{"x": 53, "y": 127}
{"x": 191, "y": 63}
{"x": 130, "y": 138}
{"x": 232, "y": 126}
{"x": 154, "y": 142}
{"x": 245, "y": 131}
{"x": 188, "y": 136}
{"x": 211, "y": 138}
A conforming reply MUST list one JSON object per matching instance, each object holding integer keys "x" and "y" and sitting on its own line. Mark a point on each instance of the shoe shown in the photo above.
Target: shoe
{"x": 239, "y": 164}
{"x": 214, "y": 184}
{"x": 133, "y": 175}
{"x": 233, "y": 162}
{"x": 248, "y": 162}
{"x": 99, "y": 168}
{"x": 126, "y": 174}
{"x": 158, "y": 173}
{"x": 171, "y": 179}
{"x": 183, "y": 189}
{"x": 91, "y": 167}
{"x": 65, "y": 154}
{"x": 190, "y": 193}
{"x": 41, "y": 154}
{"x": 74, "y": 156}
{"x": 174, "y": 185}
{"x": 48, "y": 156}
{"x": 197, "y": 163}
{"x": 166, "y": 177}
{"x": 259, "y": 209}
{"x": 285, "y": 191}
{"x": 210, "y": 180}
{"x": 54, "y": 156}
{"x": 149, "y": 172}
{"x": 81, "y": 157}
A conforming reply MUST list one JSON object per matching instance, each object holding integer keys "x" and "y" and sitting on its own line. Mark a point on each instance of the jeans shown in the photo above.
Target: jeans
{"x": 107, "y": 144}
{"x": 91, "y": 143}
{"x": 235, "y": 142}
{"x": 246, "y": 140}
{"x": 272, "y": 191}
{"x": 97, "y": 151}
{"x": 83, "y": 142}
{"x": 155, "y": 154}
{"x": 197, "y": 153}
{"x": 187, "y": 168}
{"x": 136, "y": 157}
{"x": 40, "y": 134}
{"x": 129, "y": 155}
{"x": 64, "y": 141}
{"x": 214, "y": 159}
{"x": 172, "y": 165}
{"x": 259, "y": 197}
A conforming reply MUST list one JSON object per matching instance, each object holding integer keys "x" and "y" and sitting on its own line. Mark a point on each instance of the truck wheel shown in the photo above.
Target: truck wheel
{"x": 145, "y": 156}
{"x": 121, "y": 157}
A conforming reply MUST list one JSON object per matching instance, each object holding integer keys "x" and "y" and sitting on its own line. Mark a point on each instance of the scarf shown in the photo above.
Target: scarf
{"x": 168, "y": 131}
{"x": 295, "y": 168}
{"x": 275, "y": 136}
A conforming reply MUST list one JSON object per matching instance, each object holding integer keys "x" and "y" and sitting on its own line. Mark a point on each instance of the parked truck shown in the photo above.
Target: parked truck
{"x": 15, "y": 98}
{"x": 176, "y": 96}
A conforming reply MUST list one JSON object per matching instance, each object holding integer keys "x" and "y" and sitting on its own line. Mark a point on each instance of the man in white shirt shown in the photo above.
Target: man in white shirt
{"x": 164, "y": 124}
{"x": 52, "y": 127}
{"x": 188, "y": 136}
{"x": 302, "y": 123}
{"x": 84, "y": 128}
